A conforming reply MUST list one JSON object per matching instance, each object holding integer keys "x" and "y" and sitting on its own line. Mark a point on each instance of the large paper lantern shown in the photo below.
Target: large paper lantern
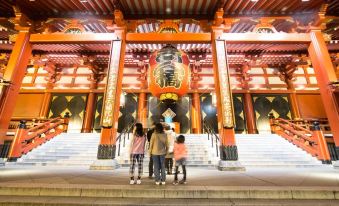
{"x": 169, "y": 73}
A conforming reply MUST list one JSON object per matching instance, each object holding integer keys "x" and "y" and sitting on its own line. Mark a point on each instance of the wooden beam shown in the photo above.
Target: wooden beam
{"x": 73, "y": 38}
{"x": 168, "y": 38}
{"x": 266, "y": 37}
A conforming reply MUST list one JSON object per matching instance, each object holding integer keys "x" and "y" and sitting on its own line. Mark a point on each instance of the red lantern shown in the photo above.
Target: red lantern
{"x": 169, "y": 74}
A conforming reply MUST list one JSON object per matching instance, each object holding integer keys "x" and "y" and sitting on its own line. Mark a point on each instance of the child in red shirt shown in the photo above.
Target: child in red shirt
{"x": 180, "y": 156}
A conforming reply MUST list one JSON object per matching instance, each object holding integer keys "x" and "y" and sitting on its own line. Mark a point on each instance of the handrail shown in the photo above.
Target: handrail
{"x": 125, "y": 130}
{"x": 307, "y": 123}
{"x": 30, "y": 122}
{"x": 211, "y": 132}
{"x": 312, "y": 141}
{"x": 27, "y": 139}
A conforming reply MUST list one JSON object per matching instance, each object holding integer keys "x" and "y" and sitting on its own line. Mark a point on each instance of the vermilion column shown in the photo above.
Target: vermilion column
{"x": 196, "y": 113}
{"x": 90, "y": 110}
{"x": 142, "y": 108}
{"x": 111, "y": 102}
{"x": 325, "y": 74}
{"x": 293, "y": 100}
{"x": 249, "y": 113}
{"x": 228, "y": 148}
{"x": 15, "y": 72}
{"x": 46, "y": 101}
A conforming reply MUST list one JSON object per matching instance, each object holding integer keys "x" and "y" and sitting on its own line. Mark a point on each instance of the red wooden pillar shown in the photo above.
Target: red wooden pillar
{"x": 89, "y": 112}
{"x": 111, "y": 103}
{"x": 46, "y": 101}
{"x": 15, "y": 72}
{"x": 228, "y": 148}
{"x": 196, "y": 113}
{"x": 142, "y": 109}
{"x": 249, "y": 113}
{"x": 325, "y": 74}
{"x": 293, "y": 100}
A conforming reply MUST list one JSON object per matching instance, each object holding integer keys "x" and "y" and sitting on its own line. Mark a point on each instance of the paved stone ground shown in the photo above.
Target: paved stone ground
{"x": 157, "y": 202}
{"x": 265, "y": 182}
{"x": 296, "y": 177}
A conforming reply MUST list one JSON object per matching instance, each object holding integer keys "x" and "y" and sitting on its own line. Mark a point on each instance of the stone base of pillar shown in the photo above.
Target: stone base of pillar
{"x": 336, "y": 164}
{"x": 230, "y": 166}
{"x": 106, "y": 152}
{"x": 2, "y": 153}
{"x": 107, "y": 164}
{"x": 229, "y": 152}
{"x": 2, "y": 162}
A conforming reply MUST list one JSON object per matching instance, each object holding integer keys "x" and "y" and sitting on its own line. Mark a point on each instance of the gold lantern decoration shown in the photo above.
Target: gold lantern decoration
{"x": 169, "y": 73}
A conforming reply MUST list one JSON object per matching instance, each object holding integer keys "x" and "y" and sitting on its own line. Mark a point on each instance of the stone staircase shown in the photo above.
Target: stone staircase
{"x": 66, "y": 149}
{"x": 257, "y": 150}
{"x": 271, "y": 150}
{"x": 199, "y": 152}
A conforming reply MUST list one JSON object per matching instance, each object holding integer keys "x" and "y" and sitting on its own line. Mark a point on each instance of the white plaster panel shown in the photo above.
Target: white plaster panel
{"x": 207, "y": 80}
{"x": 206, "y": 70}
{"x": 65, "y": 80}
{"x": 310, "y": 70}
{"x": 257, "y": 80}
{"x": 40, "y": 80}
{"x": 27, "y": 79}
{"x": 300, "y": 80}
{"x": 313, "y": 80}
{"x": 271, "y": 70}
{"x": 256, "y": 70}
{"x": 233, "y": 71}
{"x": 299, "y": 71}
{"x": 68, "y": 71}
{"x": 42, "y": 71}
{"x": 82, "y": 80}
{"x": 104, "y": 80}
{"x": 130, "y": 80}
{"x": 130, "y": 70}
{"x": 30, "y": 70}
{"x": 234, "y": 80}
{"x": 275, "y": 80}
{"x": 83, "y": 70}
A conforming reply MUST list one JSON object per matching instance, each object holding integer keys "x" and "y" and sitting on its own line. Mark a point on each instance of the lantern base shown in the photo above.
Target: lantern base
{"x": 171, "y": 97}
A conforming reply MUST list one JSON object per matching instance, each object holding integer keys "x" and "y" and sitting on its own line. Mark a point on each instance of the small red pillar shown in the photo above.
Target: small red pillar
{"x": 142, "y": 109}
{"x": 89, "y": 112}
{"x": 196, "y": 113}
{"x": 249, "y": 113}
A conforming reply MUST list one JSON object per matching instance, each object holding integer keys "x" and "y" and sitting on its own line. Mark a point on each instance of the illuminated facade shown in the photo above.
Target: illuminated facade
{"x": 254, "y": 57}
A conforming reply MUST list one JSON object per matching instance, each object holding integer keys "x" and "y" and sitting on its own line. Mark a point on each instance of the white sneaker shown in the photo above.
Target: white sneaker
{"x": 163, "y": 183}
{"x": 138, "y": 182}
{"x": 157, "y": 183}
{"x": 131, "y": 182}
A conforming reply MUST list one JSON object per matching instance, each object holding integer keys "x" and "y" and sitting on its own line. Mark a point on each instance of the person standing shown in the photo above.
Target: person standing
{"x": 150, "y": 164}
{"x": 137, "y": 152}
{"x": 169, "y": 156}
{"x": 158, "y": 149}
{"x": 180, "y": 156}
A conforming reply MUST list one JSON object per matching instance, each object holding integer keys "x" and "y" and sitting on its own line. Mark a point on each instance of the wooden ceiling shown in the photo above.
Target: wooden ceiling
{"x": 141, "y": 9}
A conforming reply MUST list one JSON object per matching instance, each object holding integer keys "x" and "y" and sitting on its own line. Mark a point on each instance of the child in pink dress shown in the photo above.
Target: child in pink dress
{"x": 137, "y": 151}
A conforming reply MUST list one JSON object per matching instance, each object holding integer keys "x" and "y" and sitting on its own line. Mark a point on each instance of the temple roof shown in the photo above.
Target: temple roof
{"x": 140, "y": 9}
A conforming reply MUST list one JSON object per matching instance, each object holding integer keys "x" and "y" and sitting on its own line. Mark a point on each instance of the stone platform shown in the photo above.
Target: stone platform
{"x": 206, "y": 186}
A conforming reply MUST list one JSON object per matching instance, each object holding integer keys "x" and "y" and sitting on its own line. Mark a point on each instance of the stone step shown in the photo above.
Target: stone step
{"x": 52, "y": 201}
{"x": 168, "y": 191}
{"x": 68, "y": 149}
